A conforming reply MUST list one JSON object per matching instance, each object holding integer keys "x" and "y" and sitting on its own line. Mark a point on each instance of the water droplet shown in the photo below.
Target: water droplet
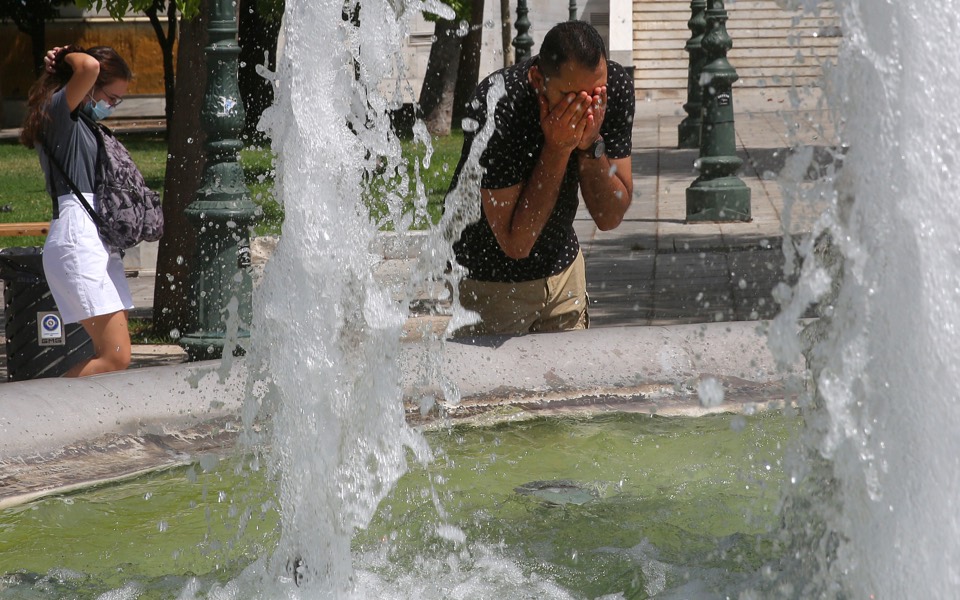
{"x": 710, "y": 391}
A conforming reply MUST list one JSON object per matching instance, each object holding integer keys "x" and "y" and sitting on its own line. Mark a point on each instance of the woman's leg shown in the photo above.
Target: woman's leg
{"x": 111, "y": 345}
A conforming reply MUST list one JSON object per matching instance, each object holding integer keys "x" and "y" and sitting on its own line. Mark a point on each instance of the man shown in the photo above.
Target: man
{"x": 565, "y": 123}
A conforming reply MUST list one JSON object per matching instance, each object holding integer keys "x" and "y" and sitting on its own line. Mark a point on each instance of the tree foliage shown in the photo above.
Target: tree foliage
{"x": 462, "y": 8}
{"x": 269, "y": 9}
{"x": 25, "y": 14}
{"x": 120, "y": 8}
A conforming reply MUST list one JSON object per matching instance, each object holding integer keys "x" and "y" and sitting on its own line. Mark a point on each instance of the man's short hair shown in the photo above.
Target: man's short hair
{"x": 571, "y": 40}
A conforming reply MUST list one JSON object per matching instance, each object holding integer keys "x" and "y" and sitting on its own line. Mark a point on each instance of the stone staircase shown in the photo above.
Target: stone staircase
{"x": 772, "y": 47}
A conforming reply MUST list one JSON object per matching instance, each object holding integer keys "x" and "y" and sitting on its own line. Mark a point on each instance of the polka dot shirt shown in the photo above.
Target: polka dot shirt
{"x": 509, "y": 159}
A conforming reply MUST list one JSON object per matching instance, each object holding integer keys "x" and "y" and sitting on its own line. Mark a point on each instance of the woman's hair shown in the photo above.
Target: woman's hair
{"x": 112, "y": 68}
{"x": 571, "y": 40}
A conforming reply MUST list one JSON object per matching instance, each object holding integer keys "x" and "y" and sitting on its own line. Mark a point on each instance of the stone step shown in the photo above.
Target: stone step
{"x": 770, "y": 43}
{"x": 752, "y": 61}
{"x": 772, "y": 46}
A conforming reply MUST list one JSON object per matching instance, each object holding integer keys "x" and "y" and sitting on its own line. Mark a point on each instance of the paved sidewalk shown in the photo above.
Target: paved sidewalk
{"x": 655, "y": 269}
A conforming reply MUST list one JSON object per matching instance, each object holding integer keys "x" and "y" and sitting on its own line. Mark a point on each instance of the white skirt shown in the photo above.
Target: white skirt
{"x": 85, "y": 277}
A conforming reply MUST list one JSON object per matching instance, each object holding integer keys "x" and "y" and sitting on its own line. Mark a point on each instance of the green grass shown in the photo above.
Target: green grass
{"x": 23, "y": 196}
{"x": 149, "y": 151}
{"x": 258, "y": 168}
{"x": 258, "y": 173}
{"x": 435, "y": 180}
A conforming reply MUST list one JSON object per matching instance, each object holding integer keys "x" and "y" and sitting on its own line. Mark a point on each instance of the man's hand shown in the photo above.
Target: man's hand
{"x": 563, "y": 127}
{"x": 597, "y": 109}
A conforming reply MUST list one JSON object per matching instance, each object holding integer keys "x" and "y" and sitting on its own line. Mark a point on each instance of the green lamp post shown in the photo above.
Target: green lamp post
{"x": 689, "y": 129}
{"x": 524, "y": 41}
{"x": 222, "y": 210}
{"x": 717, "y": 194}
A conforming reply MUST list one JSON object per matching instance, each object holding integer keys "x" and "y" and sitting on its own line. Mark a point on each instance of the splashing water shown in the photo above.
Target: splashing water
{"x": 883, "y": 431}
{"x": 327, "y": 337}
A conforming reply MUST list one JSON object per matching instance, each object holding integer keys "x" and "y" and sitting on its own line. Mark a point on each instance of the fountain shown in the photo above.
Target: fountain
{"x": 883, "y": 261}
{"x": 868, "y": 504}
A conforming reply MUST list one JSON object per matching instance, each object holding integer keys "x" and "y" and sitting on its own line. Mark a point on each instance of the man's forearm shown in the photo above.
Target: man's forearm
{"x": 606, "y": 190}
{"x": 537, "y": 201}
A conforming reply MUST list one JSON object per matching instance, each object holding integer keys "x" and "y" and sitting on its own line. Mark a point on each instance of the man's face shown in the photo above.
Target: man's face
{"x": 573, "y": 78}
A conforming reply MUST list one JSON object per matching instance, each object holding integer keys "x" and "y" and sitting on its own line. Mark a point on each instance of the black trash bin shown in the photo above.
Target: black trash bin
{"x": 38, "y": 344}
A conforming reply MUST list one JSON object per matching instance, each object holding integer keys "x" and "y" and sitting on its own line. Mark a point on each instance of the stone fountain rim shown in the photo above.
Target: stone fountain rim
{"x": 57, "y": 435}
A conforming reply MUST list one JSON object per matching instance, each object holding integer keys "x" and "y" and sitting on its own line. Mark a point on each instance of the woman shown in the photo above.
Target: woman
{"x": 85, "y": 276}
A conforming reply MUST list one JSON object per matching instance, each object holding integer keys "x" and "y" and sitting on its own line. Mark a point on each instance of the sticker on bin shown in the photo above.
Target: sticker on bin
{"x": 50, "y": 329}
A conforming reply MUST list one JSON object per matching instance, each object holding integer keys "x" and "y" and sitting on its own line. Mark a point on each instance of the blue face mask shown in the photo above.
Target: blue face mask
{"x": 99, "y": 110}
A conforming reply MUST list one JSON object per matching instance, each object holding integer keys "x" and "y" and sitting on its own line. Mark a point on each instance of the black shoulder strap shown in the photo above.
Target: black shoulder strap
{"x": 76, "y": 190}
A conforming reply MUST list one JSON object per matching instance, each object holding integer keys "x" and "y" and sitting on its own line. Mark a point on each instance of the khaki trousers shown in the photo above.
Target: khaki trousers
{"x": 556, "y": 303}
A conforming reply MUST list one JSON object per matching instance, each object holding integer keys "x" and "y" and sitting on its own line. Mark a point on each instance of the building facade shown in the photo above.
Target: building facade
{"x": 773, "y": 47}
{"x": 133, "y": 38}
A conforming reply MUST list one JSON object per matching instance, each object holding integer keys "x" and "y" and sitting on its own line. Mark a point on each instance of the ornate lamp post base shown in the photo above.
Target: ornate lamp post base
{"x": 200, "y": 346}
{"x": 719, "y": 199}
{"x": 221, "y": 281}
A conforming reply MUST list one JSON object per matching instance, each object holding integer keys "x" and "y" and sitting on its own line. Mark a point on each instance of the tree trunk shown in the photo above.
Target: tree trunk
{"x": 166, "y": 38}
{"x": 468, "y": 73}
{"x": 185, "y": 160}
{"x": 169, "y": 73}
{"x": 38, "y": 44}
{"x": 439, "y": 82}
{"x": 258, "y": 36}
{"x": 506, "y": 32}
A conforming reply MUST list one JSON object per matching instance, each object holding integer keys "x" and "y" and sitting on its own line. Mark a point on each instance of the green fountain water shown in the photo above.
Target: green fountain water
{"x": 638, "y": 505}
